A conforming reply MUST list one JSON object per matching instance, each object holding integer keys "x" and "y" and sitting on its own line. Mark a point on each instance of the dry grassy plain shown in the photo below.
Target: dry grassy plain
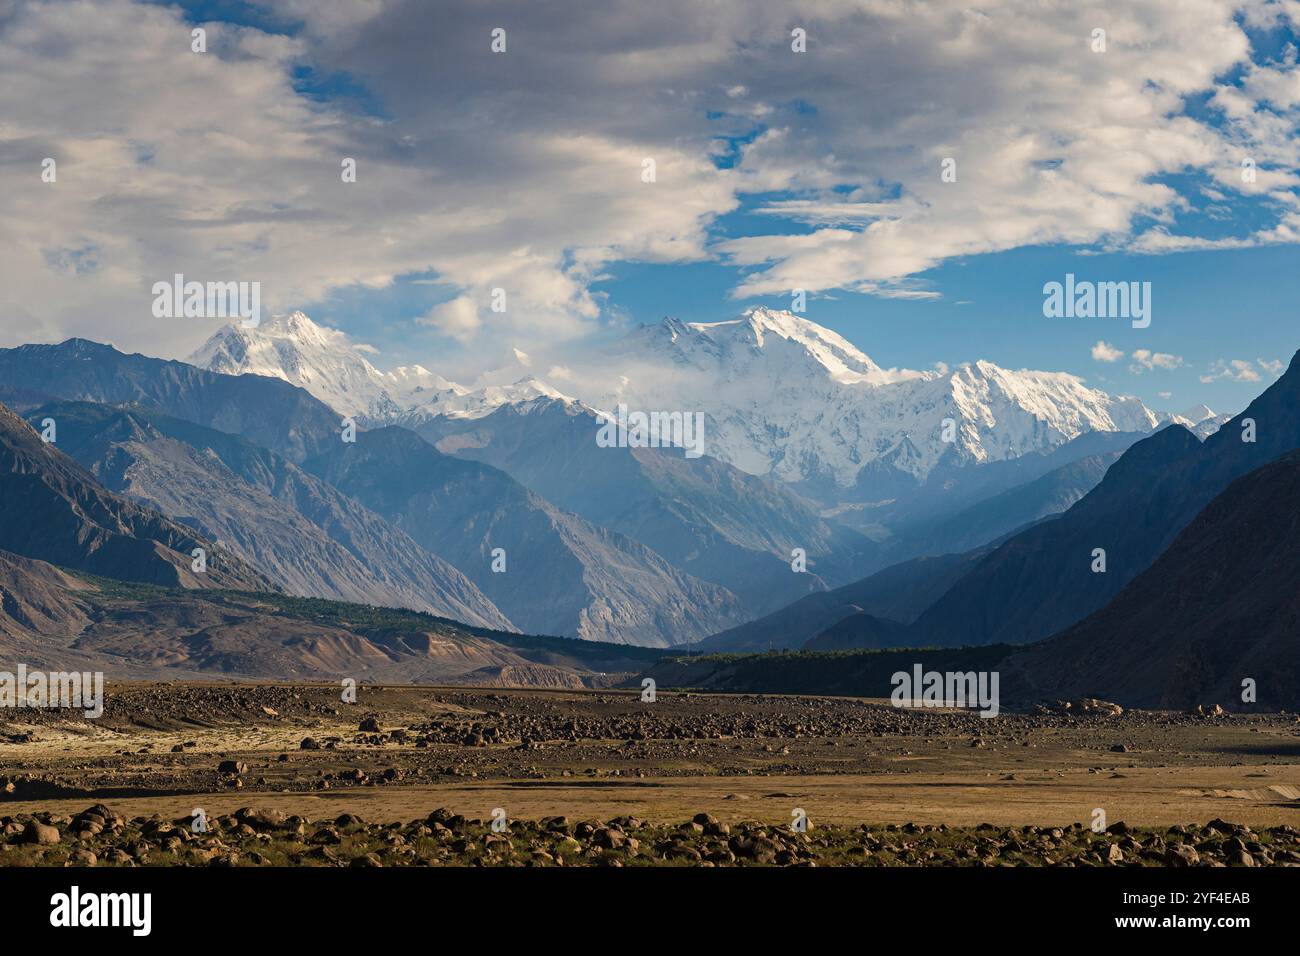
{"x": 597, "y": 755}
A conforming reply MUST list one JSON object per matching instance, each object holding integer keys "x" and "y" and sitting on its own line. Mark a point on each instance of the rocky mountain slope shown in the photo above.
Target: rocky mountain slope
{"x": 562, "y": 574}
{"x": 53, "y": 619}
{"x": 37, "y": 600}
{"x": 54, "y": 510}
{"x": 302, "y": 533}
{"x": 898, "y": 593}
{"x": 706, "y": 517}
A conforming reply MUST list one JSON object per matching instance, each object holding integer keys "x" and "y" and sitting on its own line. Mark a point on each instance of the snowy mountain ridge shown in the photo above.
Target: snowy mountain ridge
{"x": 782, "y": 395}
{"x": 326, "y": 363}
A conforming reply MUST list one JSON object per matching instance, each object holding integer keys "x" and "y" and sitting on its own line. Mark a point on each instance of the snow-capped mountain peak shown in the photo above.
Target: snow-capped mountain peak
{"x": 1201, "y": 420}
{"x": 782, "y": 395}
{"x": 329, "y": 365}
{"x": 459, "y": 402}
{"x": 412, "y": 385}
{"x": 763, "y": 332}
{"x": 840, "y": 357}
{"x": 1198, "y": 413}
{"x": 323, "y": 361}
{"x": 786, "y": 397}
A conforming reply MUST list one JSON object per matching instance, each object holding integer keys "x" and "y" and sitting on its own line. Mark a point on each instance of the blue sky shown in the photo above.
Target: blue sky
{"x": 777, "y": 170}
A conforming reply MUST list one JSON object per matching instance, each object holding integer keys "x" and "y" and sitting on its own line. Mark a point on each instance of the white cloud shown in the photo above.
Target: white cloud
{"x": 1053, "y": 143}
{"x": 215, "y": 166}
{"x": 1233, "y": 370}
{"x": 1103, "y": 352}
{"x": 457, "y": 318}
{"x": 1144, "y": 360}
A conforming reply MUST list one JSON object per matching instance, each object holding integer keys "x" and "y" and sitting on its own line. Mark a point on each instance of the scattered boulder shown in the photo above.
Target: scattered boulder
{"x": 40, "y": 833}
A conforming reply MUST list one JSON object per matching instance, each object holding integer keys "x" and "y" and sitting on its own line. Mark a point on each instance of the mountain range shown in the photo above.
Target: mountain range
{"x": 1211, "y": 622}
{"x": 708, "y": 518}
{"x": 831, "y": 514}
{"x": 783, "y": 396}
{"x": 592, "y": 583}
{"x": 784, "y": 399}
{"x": 1043, "y": 579}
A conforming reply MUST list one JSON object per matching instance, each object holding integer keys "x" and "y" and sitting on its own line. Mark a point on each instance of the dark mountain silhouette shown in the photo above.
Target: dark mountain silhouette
{"x": 858, "y": 630}
{"x": 1041, "y": 581}
{"x": 1221, "y": 605}
{"x": 898, "y": 593}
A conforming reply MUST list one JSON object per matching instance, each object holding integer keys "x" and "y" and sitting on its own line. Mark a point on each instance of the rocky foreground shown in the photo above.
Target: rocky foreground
{"x": 98, "y": 836}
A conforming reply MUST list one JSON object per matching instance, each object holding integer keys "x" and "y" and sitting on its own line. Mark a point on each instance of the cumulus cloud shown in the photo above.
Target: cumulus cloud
{"x": 215, "y": 165}
{"x": 1232, "y": 370}
{"x": 1103, "y": 352}
{"x": 1144, "y": 360}
{"x": 457, "y": 318}
{"x": 1052, "y": 142}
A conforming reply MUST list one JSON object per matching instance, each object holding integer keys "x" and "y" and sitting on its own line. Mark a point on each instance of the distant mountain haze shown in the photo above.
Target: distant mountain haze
{"x": 710, "y": 519}
{"x": 593, "y": 583}
{"x": 562, "y": 574}
{"x": 496, "y": 506}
